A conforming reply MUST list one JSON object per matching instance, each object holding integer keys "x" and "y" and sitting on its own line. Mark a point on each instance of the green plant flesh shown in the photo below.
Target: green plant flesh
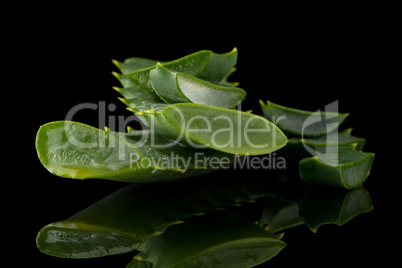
{"x": 221, "y": 129}
{"x": 75, "y": 150}
{"x": 175, "y": 87}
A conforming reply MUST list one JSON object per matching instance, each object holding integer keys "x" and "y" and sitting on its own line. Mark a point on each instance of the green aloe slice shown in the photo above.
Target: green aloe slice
{"x": 302, "y": 122}
{"x": 340, "y": 167}
{"x": 137, "y": 98}
{"x": 122, "y": 220}
{"x": 174, "y": 87}
{"x": 75, "y": 150}
{"x": 326, "y": 205}
{"x": 298, "y": 148}
{"x": 218, "y": 239}
{"x": 221, "y": 129}
{"x": 132, "y": 64}
{"x": 204, "y": 64}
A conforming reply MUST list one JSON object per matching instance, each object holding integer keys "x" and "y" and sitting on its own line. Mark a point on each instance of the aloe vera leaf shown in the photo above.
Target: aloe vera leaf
{"x": 174, "y": 87}
{"x": 212, "y": 68}
{"x": 164, "y": 84}
{"x": 298, "y": 148}
{"x": 221, "y": 129}
{"x": 302, "y": 122}
{"x": 132, "y": 64}
{"x": 75, "y": 150}
{"x": 170, "y": 154}
{"x": 225, "y": 81}
{"x": 340, "y": 167}
{"x": 279, "y": 215}
{"x": 219, "y": 66}
{"x": 137, "y": 98}
{"x": 122, "y": 220}
{"x": 326, "y": 205}
{"x": 218, "y": 239}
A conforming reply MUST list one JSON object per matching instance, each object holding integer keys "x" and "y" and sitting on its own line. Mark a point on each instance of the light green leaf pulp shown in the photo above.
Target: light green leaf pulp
{"x": 75, "y": 150}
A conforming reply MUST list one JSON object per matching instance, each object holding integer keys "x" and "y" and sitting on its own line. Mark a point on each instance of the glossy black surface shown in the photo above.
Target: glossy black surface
{"x": 306, "y": 68}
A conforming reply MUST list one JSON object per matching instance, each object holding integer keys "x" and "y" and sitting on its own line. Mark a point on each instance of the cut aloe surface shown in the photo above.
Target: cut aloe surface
{"x": 300, "y": 122}
{"x": 217, "y": 239}
{"x": 221, "y": 129}
{"x": 175, "y": 87}
{"x": 204, "y": 64}
{"x": 298, "y": 148}
{"x": 326, "y": 205}
{"x": 119, "y": 222}
{"x": 74, "y": 150}
{"x": 340, "y": 167}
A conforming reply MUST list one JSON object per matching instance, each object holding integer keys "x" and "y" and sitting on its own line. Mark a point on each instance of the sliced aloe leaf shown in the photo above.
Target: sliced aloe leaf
{"x": 75, "y": 150}
{"x": 174, "y": 87}
{"x": 132, "y": 64}
{"x": 221, "y": 129}
{"x": 326, "y": 205}
{"x": 298, "y": 148}
{"x": 137, "y": 98}
{"x": 119, "y": 222}
{"x": 302, "y": 122}
{"x": 219, "y": 66}
{"x": 218, "y": 239}
{"x": 340, "y": 167}
{"x": 210, "y": 66}
{"x": 225, "y": 81}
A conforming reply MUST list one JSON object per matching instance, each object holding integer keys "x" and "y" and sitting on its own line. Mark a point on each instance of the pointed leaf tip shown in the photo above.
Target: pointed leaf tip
{"x": 116, "y": 62}
{"x": 118, "y": 89}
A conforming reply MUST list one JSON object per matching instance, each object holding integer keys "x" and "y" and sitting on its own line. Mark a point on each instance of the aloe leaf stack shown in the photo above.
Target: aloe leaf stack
{"x": 189, "y": 109}
{"x": 187, "y": 105}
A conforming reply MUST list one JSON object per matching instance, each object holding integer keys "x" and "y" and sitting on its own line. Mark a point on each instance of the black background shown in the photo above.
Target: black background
{"x": 305, "y": 62}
